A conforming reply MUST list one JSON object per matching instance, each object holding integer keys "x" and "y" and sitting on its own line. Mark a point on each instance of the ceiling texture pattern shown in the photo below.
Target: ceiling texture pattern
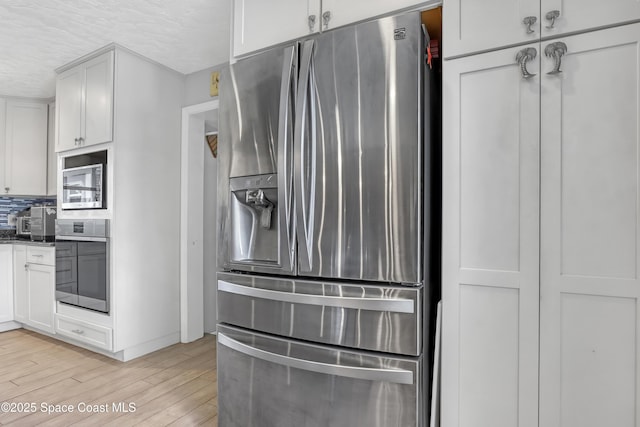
{"x": 38, "y": 36}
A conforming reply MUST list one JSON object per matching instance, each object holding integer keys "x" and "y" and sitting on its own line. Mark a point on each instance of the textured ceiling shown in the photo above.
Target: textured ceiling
{"x": 38, "y": 36}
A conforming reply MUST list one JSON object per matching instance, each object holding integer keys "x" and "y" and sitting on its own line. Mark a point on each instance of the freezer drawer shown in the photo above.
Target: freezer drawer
{"x": 370, "y": 317}
{"x": 272, "y": 382}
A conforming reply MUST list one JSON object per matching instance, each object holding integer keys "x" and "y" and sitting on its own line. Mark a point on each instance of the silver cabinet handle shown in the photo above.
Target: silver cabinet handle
{"x": 396, "y": 305}
{"x": 6, "y": 189}
{"x": 75, "y": 141}
{"x": 26, "y": 266}
{"x": 37, "y": 256}
{"x": 556, "y": 51}
{"x": 529, "y": 21}
{"x": 398, "y": 376}
{"x": 78, "y": 331}
{"x": 80, "y": 141}
{"x": 522, "y": 57}
{"x": 552, "y": 16}
{"x": 326, "y": 17}
{"x": 312, "y": 23}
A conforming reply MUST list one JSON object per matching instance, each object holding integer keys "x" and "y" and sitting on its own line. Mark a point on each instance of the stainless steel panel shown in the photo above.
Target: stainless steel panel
{"x": 275, "y": 382}
{"x": 378, "y": 318}
{"x": 256, "y": 222}
{"x": 359, "y": 166}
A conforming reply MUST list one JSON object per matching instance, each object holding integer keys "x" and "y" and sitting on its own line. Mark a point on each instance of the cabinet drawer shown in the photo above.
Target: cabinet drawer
{"x": 88, "y": 333}
{"x": 41, "y": 255}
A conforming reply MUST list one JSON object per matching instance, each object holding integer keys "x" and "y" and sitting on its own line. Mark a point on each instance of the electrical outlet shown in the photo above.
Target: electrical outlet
{"x": 215, "y": 80}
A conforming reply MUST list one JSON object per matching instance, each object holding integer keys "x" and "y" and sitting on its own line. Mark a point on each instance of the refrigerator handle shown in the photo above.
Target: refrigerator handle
{"x": 285, "y": 160}
{"x": 398, "y": 376}
{"x": 304, "y": 138}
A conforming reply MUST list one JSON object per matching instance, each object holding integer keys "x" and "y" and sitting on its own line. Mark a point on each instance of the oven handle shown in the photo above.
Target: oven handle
{"x": 83, "y": 239}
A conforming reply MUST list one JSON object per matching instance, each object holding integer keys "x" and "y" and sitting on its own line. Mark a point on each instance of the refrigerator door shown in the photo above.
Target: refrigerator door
{"x": 358, "y": 154}
{"x": 378, "y": 318}
{"x": 272, "y": 382}
{"x": 255, "y": 194}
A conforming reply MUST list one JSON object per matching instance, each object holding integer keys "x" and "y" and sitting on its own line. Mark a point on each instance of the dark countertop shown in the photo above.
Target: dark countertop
{"x": 6, "y": 241}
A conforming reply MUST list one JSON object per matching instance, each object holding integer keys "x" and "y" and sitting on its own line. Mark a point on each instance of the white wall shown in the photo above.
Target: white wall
{"x": 197, "y": 86}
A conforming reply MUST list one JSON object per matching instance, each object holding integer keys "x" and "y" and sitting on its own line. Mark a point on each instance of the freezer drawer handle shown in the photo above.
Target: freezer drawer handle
{"x": 398, "y": 376}
{"x": 396, "y": 305}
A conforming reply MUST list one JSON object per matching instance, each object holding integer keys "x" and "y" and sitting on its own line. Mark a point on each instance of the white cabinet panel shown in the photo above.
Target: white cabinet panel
{"x": 6, "y": 283}
{"x": 20, "y": 287}
{"x": 68, "y": 108}
{"x": 26, "y": 148}
{"x": 343, "y": 13}
{"x": 258, "y": 24}
{"x": 489, "y": 342}
{"x": 98, "y": 100}
{"x": 598, "y": 361}
{"x": 578, "y": 15}
{"x": 41, "y": 288}
{"x": 490, "y": 242}
{"x": 590, "y": 229}
{"x": 52, "y": 164}
{"x": 473, "y": 26}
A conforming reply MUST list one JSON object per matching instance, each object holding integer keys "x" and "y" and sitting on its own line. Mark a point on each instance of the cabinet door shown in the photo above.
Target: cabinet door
{"x": 21, "y": 296}
{"x": 26, "y": 148}
{"x": 578, "y": 15}
{"x": 472, "y": 26}
{"x": 258, "y": 24}
{"x": 52, "y": 164}
{"x": 590, "y": 225}
{"x": 6, "y": 283}
{"x": 342, "y": 13}
{"x": 97, "y": 120}
{"x": 41, "y": 281}
{"x": 68, "y": 108}
{"x": 490, "y": 242}
{"x": 4, "y": 189}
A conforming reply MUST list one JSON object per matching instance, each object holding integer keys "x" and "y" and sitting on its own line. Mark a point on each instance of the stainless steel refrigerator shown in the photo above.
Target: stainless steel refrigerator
{"x": 324, "y": 301}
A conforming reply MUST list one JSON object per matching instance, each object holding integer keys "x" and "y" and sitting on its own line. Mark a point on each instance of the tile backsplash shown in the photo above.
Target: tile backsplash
{"x": 13, "y": 205}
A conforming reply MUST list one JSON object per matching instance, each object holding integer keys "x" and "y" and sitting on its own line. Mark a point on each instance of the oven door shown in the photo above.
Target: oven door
{"x": 82, "y": 187}
{"x": 82, "y": 277}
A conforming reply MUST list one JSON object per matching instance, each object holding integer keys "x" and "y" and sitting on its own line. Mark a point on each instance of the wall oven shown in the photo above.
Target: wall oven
{"x": 83, "y": 181}
{"x": 82, "y": 263}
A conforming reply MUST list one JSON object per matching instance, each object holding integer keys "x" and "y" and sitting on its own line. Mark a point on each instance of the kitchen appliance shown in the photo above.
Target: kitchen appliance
{"x": 23, "y": 223}
{"x": 83, "y": 181}
{"x": 82, "y": 263}
{"x": 43, "y": 223}
{"x": 325, "y": 303}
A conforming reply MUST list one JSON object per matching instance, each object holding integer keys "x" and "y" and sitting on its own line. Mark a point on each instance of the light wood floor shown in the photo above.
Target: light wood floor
{"x": 174, "y": 386}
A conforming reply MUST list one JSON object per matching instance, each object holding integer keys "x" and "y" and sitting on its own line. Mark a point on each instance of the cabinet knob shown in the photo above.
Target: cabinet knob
{"x": 75, "y": 141}
{"x": 326, "y": 17}
{"x": 522, "y": 57}
{"x": 552, "y": 16}
{"x": 6, "y": 189}
{"x": 78, "y": 331}
{"x": 529, "y": 21}
{"x": 312, "y": 23}
{"x": 556, "y": 51}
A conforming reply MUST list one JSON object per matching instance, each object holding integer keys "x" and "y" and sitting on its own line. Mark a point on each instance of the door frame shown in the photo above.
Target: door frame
{"x": 192, "y": 222}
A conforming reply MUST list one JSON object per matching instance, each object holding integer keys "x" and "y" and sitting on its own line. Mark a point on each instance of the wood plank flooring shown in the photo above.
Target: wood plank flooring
{"x": 176, "y": 386}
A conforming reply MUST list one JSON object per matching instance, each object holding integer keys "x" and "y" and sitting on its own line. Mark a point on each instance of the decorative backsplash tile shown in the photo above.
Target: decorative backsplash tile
{"x": 13, "y": 205}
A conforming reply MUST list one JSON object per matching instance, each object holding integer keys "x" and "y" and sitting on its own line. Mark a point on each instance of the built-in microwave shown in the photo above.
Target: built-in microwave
{"x": 83, "y": 181}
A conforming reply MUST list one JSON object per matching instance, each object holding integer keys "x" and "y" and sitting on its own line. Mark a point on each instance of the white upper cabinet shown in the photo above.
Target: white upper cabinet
{"x": 25, "y": 148}
{"x": 336, "y": 13}
{"x": 84, "y": 103}
{"x": 472, "y": 26}
{"x": 258, "y": 24}
{"x": 52, "y": 165}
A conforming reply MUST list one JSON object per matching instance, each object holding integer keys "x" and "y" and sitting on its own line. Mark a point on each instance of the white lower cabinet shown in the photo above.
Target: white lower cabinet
{"x": 541, "y": 230}
{"x": 34, "y": 286}
{"x": 6, "y": 284}
{"x": 86, "y": 332}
